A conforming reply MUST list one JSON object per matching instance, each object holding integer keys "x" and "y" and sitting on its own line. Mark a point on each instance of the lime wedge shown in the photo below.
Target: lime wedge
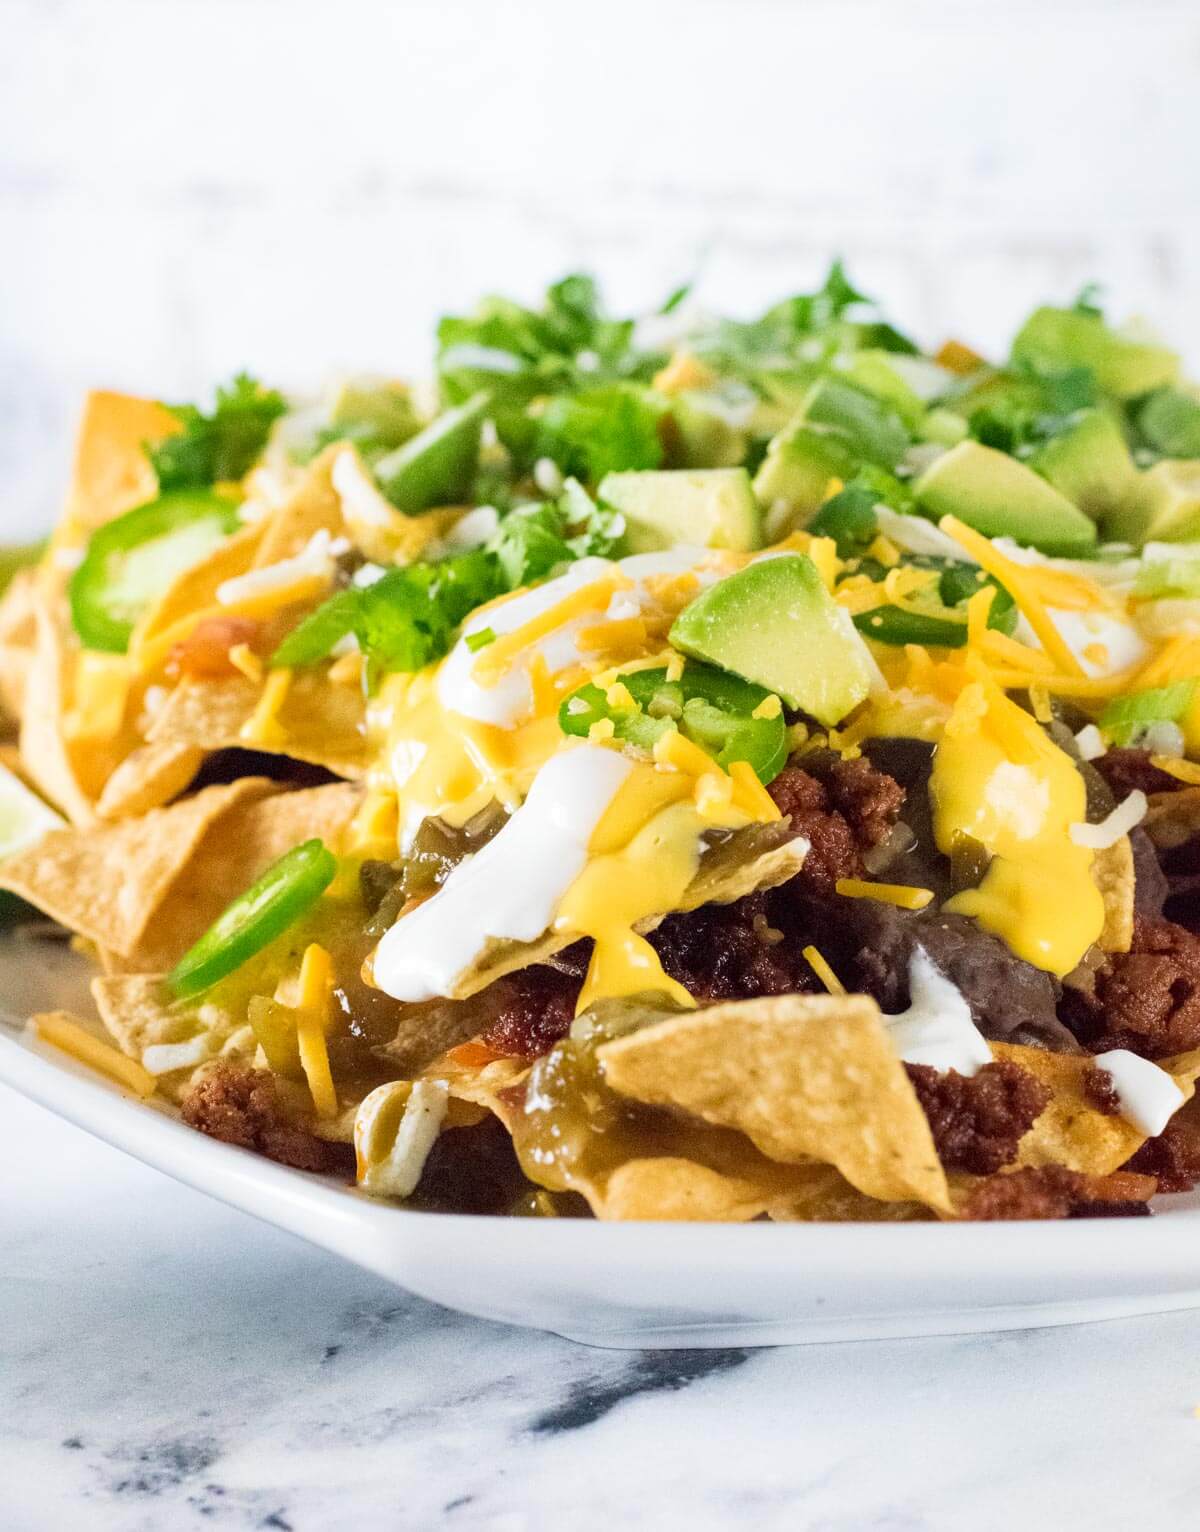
{"x": 24, "y": 818}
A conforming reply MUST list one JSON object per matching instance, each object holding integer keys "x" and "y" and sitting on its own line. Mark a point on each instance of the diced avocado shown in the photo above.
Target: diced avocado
{"x": 1170, "y": 422}
{"x": 701, "y": 434}
{"x": 774, "y": 623}
{"x": 873, "y": 372}
{"x": 1000, "y": 497}
{"x": 1164, "y": 506}
{"x": 942, "y": 426}
{"x": 437, "y": 465}
{"x": 376, "y": 406}
{"x": 796, "y": 471}
{"x": 867, "y": 426}
{"x": 1057, "y": 339}
{"x": 710, "y": 507}
{"x": 1090, "y": 463}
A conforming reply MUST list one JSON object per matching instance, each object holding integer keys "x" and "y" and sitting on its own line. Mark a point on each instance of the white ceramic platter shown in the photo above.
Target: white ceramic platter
{"x": 648, "y": 1284}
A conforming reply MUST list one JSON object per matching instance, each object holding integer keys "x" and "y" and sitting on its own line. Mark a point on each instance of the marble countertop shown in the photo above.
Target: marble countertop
{"x": 168, "y": 1363}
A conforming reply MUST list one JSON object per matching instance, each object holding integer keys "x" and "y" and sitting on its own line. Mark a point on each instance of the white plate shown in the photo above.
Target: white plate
{"x": 656, "y": 1284}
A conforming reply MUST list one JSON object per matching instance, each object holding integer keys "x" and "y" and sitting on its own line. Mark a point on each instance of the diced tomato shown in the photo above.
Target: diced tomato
{"x": 204, "y": 653}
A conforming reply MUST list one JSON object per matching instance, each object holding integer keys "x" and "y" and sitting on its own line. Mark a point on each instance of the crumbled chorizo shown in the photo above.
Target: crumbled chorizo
{"x": 241, "y": 1106}
{"x": 1173, "y": 1157}
{"x": 1050, "y": 1191}
{"x": 1128, "y": 770}
{"x": 978, "y": 1120}
{"x": 1146, "y": 999}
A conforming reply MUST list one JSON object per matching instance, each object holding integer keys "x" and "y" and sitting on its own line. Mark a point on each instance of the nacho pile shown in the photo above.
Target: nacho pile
{"x": 684, "y": 769}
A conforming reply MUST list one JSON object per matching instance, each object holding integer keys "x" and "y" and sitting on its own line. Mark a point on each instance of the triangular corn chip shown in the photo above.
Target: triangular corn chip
{"x": 150, "y": 777}
{"x": 803, "y": 1076}
{"x": 1113, "y": 875}
{"x": 141, "y": 1014}
{"x": 319, "y": 721}
{"x": 314, "y": 506}
{"x": 240, "y": 844}
{"x": 109, "y": 882}
{"x": 1071, "y": 1131}
{"x": 112, "y": 473}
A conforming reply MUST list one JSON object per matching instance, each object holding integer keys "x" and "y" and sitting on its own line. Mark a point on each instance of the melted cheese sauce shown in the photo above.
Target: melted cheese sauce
{"x": 1000, "y": 780}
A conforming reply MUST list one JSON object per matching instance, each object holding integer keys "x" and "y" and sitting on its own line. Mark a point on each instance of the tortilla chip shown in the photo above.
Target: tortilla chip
{"x": 140, "y": 1012}
{"x": 196, "y": 587}
{"x": 112, "y": 473}
{"x": 314, "y": 506}
{"x": 109, "y": 882}
{"x": 1071, "y": 1131}
{"x": 48, "y": 760}
{"x": 1113, "y": 875}
{"x": 322, "y": 723}
{"x": 670, "y": 1188}
{"x": 150, "y": 777}
{"x": 18, "y": 637}
{"x": 802, "y": 1076}
{"x": 1173, "y": 818}
{"x": 483, "y": 1082}
{"x": 240, "y": 844}
{"x": 721, "y": 882}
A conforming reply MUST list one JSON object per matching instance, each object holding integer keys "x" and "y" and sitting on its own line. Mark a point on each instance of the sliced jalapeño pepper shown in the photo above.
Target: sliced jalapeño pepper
{"x": 712, "y": 709}
{"x": 267, "y": 908}
{"x": 944, "y": 625}
{"x": 131, "y": 561}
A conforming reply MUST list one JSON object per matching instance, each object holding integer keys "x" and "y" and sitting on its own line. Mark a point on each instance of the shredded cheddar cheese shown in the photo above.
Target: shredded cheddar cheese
{"x": 71, "y": 1038}
{"x": 823, "y": 971}
{"x": 901, "y": 895}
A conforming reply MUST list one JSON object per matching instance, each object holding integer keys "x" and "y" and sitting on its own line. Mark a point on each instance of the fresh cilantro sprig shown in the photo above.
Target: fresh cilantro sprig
{"x": 220, "y": 446}
{"x": 408, "y": 617}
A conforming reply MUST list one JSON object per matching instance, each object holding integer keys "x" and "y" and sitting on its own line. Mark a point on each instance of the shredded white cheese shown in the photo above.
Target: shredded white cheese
{"x": 1125, "y": 817}
{"x": 1090, "y": 742}
{"x": 165, "y": 1058}
{"x": 316, "y": 559}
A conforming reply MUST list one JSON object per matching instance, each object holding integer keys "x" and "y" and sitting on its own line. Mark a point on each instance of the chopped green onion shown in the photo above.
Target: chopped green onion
{"x": 1125, "y": 717}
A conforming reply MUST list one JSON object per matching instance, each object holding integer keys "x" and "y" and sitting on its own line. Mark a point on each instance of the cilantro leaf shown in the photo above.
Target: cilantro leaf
{"x": 220, "y": 446}
{"x": 602, "y": 430}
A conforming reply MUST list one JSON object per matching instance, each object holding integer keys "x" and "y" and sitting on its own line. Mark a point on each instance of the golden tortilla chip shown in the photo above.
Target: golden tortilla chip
{"x": 141, "y": 1013}
{"x": 195, "y": 589}
{"x": 18, "y": 638}
{"x": 1071, "y": 1131}
{"x": 1173, "y": 818}
{"x": 314, "y": 506}
{"x": 112, "y": 473}
{"x": 240, "y": 844}
{"x": 320, "y": 722}
{"x": 802, "y": 1076}
{"x": 670, "y": 1188}
{"x": 109, "y": 882}
{"x": 1113, "y": 875}
{"x": 720, "y": 882}
{"x": 56, "y": 770}
{"x": 150, "y": 777}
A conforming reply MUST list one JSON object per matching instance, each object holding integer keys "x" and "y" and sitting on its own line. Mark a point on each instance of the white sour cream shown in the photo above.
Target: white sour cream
{"x": 511, "y": 889}
{"x": 1148, "y": 1096}
{"x": 937, "y": 1028}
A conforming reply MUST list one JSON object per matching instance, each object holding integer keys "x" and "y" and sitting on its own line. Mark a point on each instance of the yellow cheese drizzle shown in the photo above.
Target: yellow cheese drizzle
{"x": 1000, "y": 780}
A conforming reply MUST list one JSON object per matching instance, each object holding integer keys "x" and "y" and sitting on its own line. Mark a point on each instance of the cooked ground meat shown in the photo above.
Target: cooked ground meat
{"x": 834, "y": 853}
{"x": 534, "y": 1008}
{"x": 869, "y": 800}
{"x": 1125, "y": 770}
{"x": 733, "y": 952}
{"x": 1174, "y": 1156}
{"x": 1100, "y": 1091}
{"x": 978, "y": 1120}
{"x": 1051, "y": 1192}
{"x": 242, "y": 1106}
{"x": 1147, "y": 999}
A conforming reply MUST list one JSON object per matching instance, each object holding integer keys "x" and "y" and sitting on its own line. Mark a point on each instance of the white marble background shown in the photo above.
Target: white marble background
{"x": 188, "y": 186}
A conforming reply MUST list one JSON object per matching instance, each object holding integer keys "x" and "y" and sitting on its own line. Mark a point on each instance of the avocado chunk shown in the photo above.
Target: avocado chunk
{"x": 1090, "y": 463}
{"x": 437, "y": 465}
{"x": 794, "y": 476}
{"x": 1000, "y": 497}
{"x": 865, "y": 424}
{"x": 375, "y": 408}
{"x": 702, "y": 432}
{"x": 1170, "y": 422}
{"x": 1054, "y": 340}
{"x": 775, "y": 624}
{"x": 710, "y": 507}
{"x": 1164, "y": 505}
